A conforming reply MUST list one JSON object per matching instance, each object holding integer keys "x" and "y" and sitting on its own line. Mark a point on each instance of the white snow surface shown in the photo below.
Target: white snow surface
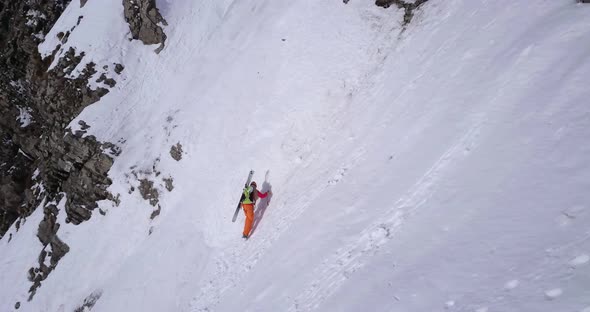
{"x": 24, "y": 116}
{"x": 442, "y": 168}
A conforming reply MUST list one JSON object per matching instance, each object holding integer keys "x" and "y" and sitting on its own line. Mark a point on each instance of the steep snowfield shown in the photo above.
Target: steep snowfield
{"x": 444, "y": 167}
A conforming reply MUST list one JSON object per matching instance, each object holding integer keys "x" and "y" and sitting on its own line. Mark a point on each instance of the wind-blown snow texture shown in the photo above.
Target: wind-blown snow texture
{"x": 444, "y": 167}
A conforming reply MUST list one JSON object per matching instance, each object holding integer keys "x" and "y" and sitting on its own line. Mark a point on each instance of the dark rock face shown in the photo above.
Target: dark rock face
{"x": 72, "y": 164}
{"x": 52, "y": 101}
{"x": 13, "y": 180}
{"x": 143, "y": 17}
{"x": 20, "y": 128}
{"x": 37, "y": 161}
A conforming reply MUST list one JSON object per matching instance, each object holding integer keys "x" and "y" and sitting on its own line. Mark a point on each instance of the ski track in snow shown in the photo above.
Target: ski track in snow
{"x": 348, "y": 259}
{"x": 239, "y": 257}
{"x": 330, "y": 113}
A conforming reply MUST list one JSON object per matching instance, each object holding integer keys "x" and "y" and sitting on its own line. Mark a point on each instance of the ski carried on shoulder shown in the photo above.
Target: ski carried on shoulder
{"x": 240, "y": 201}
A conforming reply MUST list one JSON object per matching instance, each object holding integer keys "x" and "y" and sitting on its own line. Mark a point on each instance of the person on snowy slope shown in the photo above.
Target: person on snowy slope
{"x": 249, "y": 197}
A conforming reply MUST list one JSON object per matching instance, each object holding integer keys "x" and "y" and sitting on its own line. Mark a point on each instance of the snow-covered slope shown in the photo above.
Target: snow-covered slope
{"x": 440, "y": 167}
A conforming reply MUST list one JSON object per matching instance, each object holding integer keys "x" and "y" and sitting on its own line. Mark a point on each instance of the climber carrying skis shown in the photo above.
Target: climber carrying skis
{"x": 248, "y": 200}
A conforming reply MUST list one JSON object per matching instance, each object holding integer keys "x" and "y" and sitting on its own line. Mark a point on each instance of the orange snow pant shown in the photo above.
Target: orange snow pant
{"x": 249, "y": 212}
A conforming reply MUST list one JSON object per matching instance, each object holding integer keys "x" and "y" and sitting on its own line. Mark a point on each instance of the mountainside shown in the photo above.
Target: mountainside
{"x": 419, "y": 156}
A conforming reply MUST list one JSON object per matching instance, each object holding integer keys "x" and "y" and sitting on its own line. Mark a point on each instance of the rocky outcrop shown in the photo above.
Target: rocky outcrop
{"x": 148, "y": 191}
{"x": 89, "y": 301}
{"x": 53, "y": 248}
{"x": 408, "y": 7}
{"x": 40, "y": 160}
{"x": 144, "y": 18}
{"x": 36, "y": 106}
{"x": 82, "y": 165}
{"x": 168, "y": 183}
{"x": 22, "y": 27}
{"x": 176, "y": 151}
{"x": 14, "y": 180}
